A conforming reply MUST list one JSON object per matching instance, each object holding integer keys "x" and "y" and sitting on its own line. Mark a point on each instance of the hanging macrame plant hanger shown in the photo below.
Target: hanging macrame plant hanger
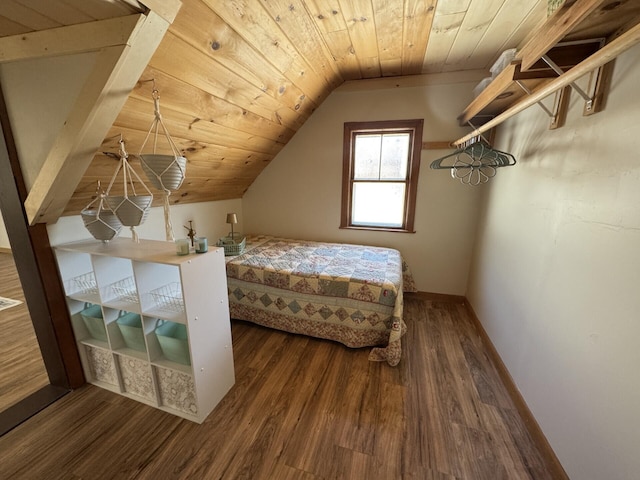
{"x": 130, "y": 208}
{"x": 101, "y": 222}
{"x": 165, "y": 172}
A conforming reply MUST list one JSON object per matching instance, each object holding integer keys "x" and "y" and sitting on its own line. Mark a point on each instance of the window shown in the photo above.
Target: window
{"x": 381, "y": 162}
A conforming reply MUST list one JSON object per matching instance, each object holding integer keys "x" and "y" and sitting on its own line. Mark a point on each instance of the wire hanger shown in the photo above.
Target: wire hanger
{"x": 475, "y": 163}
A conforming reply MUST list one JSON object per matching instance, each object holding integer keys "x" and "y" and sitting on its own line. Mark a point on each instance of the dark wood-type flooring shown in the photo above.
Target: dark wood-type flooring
{"x": 303, "y": 409}
{"x": 22, "y": 370}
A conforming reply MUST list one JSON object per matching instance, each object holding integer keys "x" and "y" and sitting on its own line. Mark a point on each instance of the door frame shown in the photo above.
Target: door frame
{"x": 41, "y": 283}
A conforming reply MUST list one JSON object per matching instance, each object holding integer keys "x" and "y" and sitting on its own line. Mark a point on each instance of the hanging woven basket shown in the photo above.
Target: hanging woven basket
{"x": 131, "y": 208}
{"x": 101, "y": 222}
{"x": 165, "y": 172}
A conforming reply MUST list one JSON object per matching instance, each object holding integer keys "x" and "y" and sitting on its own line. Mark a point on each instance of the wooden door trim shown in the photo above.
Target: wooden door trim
{"x": 43, "y": 290}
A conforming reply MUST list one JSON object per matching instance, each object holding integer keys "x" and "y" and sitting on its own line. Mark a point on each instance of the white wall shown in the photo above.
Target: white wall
{"x": 40, "y": 94}
{"x": 299, "y": 194}
{"x": 556, "y": 273}
{"x": 208, "y": 221}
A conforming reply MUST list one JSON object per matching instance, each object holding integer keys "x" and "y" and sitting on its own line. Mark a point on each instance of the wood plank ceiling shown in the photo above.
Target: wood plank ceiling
{"x": 238, "y": 78}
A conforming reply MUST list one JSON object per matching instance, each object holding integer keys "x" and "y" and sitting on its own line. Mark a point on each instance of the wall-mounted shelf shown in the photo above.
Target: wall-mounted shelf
{"x": 512, "y": 83}
{"x": 186, "y": 375}
{"x": 570, "y": 37}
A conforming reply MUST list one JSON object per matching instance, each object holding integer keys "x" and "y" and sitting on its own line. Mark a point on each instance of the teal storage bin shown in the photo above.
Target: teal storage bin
{"x": 92, "y": 318}
{"x": 130, "y": 325}
{"x": 173, "y": 341}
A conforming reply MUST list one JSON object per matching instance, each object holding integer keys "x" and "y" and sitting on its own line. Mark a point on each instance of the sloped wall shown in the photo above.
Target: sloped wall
{"x": 556, "y": 271}
{"x": 299, "y": 194}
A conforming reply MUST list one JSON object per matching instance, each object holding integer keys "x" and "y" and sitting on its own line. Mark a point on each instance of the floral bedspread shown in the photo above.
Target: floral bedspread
{"x": 348, "y": 293}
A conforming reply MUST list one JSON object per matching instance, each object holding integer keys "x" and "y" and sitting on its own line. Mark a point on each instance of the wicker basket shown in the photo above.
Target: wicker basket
{"x": 553, "y": 5}
{"x": 232, "y": 247}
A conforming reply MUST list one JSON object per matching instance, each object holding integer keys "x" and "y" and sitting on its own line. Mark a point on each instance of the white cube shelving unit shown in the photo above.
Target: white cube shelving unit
{"x": 149, "y": 279}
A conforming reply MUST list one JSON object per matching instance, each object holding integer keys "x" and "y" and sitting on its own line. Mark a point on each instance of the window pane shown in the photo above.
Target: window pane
{"x": 395, "y": 155}
{"x": 378, "y": 204}
{"x": 367, "y": 157}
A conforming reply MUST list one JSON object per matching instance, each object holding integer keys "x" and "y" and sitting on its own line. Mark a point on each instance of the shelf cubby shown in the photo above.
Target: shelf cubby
{"x": 124, "y": 279}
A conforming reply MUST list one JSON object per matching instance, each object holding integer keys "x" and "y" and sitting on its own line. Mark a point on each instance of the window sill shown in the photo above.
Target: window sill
{"x": 377, "y": 229}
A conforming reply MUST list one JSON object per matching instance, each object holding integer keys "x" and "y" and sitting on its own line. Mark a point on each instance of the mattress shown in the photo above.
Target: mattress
{"x": 351, "y": 294}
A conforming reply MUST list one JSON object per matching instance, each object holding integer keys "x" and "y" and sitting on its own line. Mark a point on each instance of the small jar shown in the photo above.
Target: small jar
{"x": 182, "y": 246}
{"x": 201, "y": 244}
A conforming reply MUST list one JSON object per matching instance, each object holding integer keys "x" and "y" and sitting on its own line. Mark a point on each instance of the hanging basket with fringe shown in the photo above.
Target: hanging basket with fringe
{"x": 130, "y": 208}
{"x": 101, "y": 222}
{"x": 165, "y": 171}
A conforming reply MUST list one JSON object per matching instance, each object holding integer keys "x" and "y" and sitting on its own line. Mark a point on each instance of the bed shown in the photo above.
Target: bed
{"x": 351, "y": 294}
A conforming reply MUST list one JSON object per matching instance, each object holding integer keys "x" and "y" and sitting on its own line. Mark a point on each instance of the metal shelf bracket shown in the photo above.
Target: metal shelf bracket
{"x": 560, "y": 105}
{"x": 590, "y": 104}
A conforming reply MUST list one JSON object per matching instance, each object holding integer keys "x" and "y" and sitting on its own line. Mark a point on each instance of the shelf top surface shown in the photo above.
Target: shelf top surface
{"x": 153, "y": 251}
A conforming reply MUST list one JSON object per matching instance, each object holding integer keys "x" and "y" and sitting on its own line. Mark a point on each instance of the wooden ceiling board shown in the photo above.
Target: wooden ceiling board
{"x": 359, "y": 18}
{"x": 389, "y": 19}
{"x": 101, "y": 9}
{"x": 184, "y": 97}
{"x": 332, "y": 27}
{"x": 451, "y": 7}
{"x": 444, "y": 31}
{"x": 194, "y": 67}
{"x": 255, "y": 25}
{"x": 196, "y": 152}
{"x": 138, "y": 115}
{"x": 27, "y": 17}
{"x": 418, "y": 19}
{"x": 477, "y": 22}
{"x": 9, "y": 27}
{"x": 504, "y": 32}
{"x": 238, "y": 78}
{"x": 59, "y": 12}
{"x": 207, "y": 32}
{"x": 293, "y": 19}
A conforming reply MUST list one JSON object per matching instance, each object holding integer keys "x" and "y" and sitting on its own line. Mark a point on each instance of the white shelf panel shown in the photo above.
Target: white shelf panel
{"x": 150, "y": 280}
{"x": 94, "y": 342}
{"x": 178, "y": 367}
{"x": 86, "y": 297}
{"x": 178, "y": 317}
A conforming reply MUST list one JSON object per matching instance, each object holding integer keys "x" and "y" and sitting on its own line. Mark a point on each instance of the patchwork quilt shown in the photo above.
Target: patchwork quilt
{"x": 348, "y": 293}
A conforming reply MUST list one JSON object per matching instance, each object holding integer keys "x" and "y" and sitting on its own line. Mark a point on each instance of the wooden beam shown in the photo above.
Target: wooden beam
{"x": 601, "y": 57}
{"x": 564, "y": 20}
{"x": 68, "y": 40}
{"x": 167, "y": 9}
{"x": 103, "y": 95}
{"x": 437, "y": 145}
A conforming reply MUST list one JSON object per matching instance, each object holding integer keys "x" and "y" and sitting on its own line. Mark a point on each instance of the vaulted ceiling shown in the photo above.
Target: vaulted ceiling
{"x": 238, "y": 78}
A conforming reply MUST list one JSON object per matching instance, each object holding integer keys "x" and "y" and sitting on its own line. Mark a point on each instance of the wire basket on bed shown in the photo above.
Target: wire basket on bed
{"x": 169, "y": 297}
{"x": 232, "y": 247}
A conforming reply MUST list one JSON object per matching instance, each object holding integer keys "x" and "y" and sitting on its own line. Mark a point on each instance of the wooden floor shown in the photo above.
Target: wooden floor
{"x": 22, "y": 370}
{"x": 303, "y": 409}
